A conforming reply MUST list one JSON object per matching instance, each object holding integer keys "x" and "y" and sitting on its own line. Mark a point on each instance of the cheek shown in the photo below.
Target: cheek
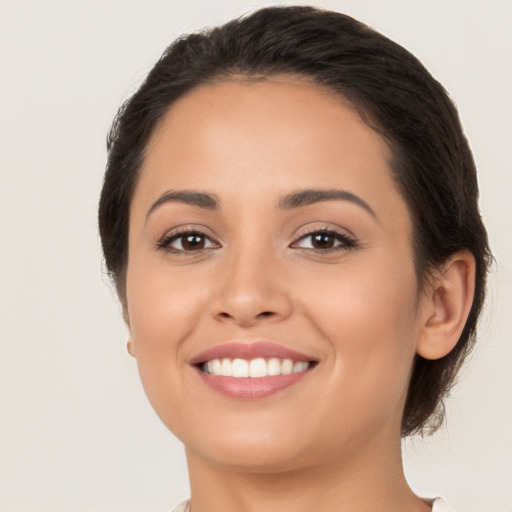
{"x": 163, "y": 306}
{"x": 376, "y": 300}
{"x": 369, "y": 316}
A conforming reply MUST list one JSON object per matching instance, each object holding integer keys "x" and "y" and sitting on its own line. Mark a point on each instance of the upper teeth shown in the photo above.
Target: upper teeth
{"x": 259, "y": 367}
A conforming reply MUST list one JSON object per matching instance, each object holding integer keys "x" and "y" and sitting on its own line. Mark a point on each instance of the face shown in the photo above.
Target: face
{"x": 266, "y": 227}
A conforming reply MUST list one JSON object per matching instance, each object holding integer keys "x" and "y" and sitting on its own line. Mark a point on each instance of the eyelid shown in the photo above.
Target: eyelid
{"x": 323, "y": 227}
{"x": 348, "y": 240}
{"x": 163, "y": 243}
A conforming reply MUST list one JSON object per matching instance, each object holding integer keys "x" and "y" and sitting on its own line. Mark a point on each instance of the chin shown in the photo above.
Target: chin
{"x": 249, "y": 459}
{"x": 251, "y": 452}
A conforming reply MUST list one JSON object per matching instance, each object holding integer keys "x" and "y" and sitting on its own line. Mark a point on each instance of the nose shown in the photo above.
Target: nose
{"x": 250, "y": 289}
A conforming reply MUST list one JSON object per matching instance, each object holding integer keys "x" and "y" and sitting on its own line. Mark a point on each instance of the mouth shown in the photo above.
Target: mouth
{"x": 250, "y": 371}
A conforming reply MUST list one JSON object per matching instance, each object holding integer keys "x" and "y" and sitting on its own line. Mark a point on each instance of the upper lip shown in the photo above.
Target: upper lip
{"x": 239, "y": 350}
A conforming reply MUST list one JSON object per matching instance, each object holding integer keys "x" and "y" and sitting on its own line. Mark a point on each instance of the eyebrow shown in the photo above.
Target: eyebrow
{"x": 192, "y": 197}
{"x": 311, "y": 196}
{"x": 291, "y": 201}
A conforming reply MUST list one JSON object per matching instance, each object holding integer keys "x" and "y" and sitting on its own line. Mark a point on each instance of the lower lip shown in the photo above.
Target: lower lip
{"x": 248, "y": 388}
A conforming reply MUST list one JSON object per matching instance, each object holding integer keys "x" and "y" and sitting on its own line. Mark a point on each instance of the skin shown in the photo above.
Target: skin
{"x": 335, "y": 435}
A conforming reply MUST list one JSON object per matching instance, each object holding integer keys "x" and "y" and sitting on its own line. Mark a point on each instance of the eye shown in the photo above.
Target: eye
{"x": 189, "y": 240}
{"x": 325, "y": 240}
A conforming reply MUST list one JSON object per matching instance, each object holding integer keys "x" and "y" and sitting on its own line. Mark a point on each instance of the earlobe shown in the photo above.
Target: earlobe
{"x": 129, "y": 345}
{"x": 449, "y": 299}
{"x": 130, "y": 348}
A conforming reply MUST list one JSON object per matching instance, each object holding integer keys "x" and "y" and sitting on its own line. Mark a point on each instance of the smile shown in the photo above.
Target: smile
{"x": 250, "y": 371}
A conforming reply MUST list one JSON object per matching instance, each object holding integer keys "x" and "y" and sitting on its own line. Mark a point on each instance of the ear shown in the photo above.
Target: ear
{"x": 129, "y": 345}
{"x": 131, "y": 348}
{"x": 447, "y": 304}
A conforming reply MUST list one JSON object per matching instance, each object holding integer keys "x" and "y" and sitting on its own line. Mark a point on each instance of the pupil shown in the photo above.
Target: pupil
{"x": 323, "y": 240}
{"x": 193, "y": 242}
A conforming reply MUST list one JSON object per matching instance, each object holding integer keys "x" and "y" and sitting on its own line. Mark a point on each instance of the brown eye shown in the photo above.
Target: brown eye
{"x": 186, "y": 241}
{"x": 325, "y": 241}
{"x": 192, "y": 242}
{"x": 322, "y": 241}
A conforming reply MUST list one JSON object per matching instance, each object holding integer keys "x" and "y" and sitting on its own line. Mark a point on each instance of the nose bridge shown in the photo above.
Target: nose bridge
{"x": 250, "y": 285}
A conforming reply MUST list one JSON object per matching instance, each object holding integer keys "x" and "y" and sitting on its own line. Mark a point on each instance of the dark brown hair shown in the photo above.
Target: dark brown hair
{"x": 394, "y": 93}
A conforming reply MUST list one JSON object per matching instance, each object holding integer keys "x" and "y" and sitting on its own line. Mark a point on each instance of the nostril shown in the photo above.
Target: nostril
{"x": 245, "y": 317}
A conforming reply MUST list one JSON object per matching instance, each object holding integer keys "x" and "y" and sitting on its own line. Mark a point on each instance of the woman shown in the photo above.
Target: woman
{"x": 290, "y": 218}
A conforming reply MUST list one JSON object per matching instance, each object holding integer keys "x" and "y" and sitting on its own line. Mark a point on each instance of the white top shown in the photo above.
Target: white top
{"x": 438, "y": 505}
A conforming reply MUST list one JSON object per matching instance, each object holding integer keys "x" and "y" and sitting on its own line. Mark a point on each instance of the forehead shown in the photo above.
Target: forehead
{"x": 239, "y": 139}
{"x": 276, "y": 112}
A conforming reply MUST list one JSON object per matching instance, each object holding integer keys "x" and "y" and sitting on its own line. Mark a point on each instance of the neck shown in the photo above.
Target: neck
{"x": 371, "y": 481}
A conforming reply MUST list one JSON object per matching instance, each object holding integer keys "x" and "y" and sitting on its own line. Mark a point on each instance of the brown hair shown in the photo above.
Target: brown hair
{"x": 394, "y": 93}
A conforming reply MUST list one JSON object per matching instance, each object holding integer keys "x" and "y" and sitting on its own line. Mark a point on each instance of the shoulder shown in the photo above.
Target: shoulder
{"x": 439, "y": 505}
{"x": 182, "y": 507}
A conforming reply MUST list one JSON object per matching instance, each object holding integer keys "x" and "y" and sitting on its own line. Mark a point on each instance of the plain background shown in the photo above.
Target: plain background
{"x": 76, "y": 431}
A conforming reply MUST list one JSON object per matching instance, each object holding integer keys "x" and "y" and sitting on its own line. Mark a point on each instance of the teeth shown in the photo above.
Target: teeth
{"x": 240, "y": 368}
{"x": 287, "y": 366}
{"x": 254, "y": 368}
{"x": 300, "y": 366}
{"x": 258, "y": 368}
{"x": 274, "y": 366}
{"x": 227, "y": 368}
{"x": 216, "y": 367}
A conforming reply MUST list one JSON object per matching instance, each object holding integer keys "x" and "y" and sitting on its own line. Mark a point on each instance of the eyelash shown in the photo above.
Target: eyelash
{"x": 164, "y": 244}
{"x": 347, "y": 242}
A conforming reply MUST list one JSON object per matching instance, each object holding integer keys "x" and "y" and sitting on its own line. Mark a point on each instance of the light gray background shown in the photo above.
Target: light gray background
{"x": 76, "y": 431}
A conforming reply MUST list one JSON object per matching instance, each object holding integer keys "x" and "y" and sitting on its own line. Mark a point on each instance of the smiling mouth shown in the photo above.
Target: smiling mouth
{"x": 249, "y": 371}
{"x": 254, "y": 368}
